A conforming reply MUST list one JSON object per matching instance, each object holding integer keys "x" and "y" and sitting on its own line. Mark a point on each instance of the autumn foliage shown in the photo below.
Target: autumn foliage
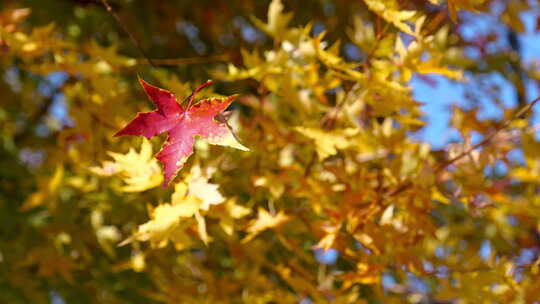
{"x": 314, "y": 186}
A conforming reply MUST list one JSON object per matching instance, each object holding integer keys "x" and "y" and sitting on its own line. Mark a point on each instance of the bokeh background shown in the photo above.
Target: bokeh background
{"x": 496, "y": 43}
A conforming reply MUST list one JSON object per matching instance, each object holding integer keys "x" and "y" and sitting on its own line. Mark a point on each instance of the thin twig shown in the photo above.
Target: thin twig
{"x": 190, "y": 60}
{"x": 103, "y": 121}
{"x": 192, "y": 96}
{"x": 377, "y": 42}
{"x": 33, "y": 119}
{"x": 396, "y": 191}
{"x": 309, "y": 166}
{"x": 329, "y": 120}
{"x": 488, "y": 138}
{"x": 328, "y": 123}
{"x": 125, "y": 28}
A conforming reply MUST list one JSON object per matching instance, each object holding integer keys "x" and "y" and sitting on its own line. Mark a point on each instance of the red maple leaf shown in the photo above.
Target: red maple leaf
{"x": 181, "y": 125}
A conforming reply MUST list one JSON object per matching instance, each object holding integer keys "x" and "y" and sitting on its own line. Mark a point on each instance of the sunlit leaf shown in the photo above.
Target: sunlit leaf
{"x": 181, "y": 126}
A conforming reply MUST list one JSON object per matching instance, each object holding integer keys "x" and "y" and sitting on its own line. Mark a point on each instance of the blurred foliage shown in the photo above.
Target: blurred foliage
{"x": 337, "y": 199}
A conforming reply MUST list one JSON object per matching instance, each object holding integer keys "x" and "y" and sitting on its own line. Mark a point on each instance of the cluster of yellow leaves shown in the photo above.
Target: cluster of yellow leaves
{"x": 191, "y": 200}
{"x": 299, "y": 72}
{"x": 388, "y": 226}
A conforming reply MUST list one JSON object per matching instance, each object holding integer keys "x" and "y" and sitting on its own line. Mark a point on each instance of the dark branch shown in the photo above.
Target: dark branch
{"x": 125, "y": 28}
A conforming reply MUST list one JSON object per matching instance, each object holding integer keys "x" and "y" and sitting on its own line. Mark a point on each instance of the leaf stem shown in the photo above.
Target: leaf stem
{"x": 192, "y": 96}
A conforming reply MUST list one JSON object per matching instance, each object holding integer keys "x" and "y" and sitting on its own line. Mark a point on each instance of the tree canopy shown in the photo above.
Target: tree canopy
{"x": 333, "y": 196}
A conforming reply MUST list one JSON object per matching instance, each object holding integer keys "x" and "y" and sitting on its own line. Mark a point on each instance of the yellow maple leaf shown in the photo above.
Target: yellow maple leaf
{"x": 433, "y": 67}
{"x": 189, "y": 204}
{"x": 201, "y": 227}
{"x": 164, "y": 225}
{"x": 364, "y": 274}
{"x": 139, "y": 171}
{"x": 200, "y": 188}
{"x": 389, "y": 11}
{"x": 277, "y": 20}
{"x": 232, "y": 211}
{"x": 330, "y": 56}
{"x": 264, "y": 221}
{"x": 409, "y": 58}
{"x": 327, "y": 142}
{"x": 48, "y": 190}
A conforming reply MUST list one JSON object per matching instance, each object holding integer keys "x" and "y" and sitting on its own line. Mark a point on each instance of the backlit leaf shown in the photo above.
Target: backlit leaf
{"x": 140, "y": 171}
{"x": 264, "y": 221}
{"x": 181, "y": 126}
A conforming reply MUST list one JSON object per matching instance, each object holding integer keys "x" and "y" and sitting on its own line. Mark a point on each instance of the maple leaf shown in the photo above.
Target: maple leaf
{"x": 165, "y": 224}
{"x": 327, "y": 143}
{"x": 389, "y": 11}
{"x": 204, "y": 191}
{"x": 364, "y": 274}
{"x": 264, "y": 221}
{"x": 138, "y": 170}
{"x": 181, "y": 125}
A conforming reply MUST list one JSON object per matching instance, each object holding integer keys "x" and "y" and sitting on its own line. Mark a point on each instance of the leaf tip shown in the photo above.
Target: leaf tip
{"x": 140, "y": 79}
{"x": 119, "y": 133}
{"x": 241, "y": 147}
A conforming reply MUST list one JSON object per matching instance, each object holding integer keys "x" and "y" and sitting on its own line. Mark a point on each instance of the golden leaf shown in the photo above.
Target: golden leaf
{"x": 264, "y": 221}
{"x": 200, "y": 188}
{"x": 389, "y": 11}
{"x": 327, "y": 142}
{"x": 139, "y": 171}
{"x": 201, "y": 226}
{"x": 277, "y": 20}
{"x": 48, "y": 188}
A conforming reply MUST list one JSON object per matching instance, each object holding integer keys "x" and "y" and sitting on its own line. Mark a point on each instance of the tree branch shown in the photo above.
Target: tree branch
{"x": 487, "y": 139}
{"x": 125, "y": 28}
{"x": 190, "y": 60}
{"x": 520, "y": 114}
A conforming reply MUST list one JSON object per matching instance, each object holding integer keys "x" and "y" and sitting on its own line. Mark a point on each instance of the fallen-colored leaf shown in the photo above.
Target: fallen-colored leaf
{"x": 181, "y": 125}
